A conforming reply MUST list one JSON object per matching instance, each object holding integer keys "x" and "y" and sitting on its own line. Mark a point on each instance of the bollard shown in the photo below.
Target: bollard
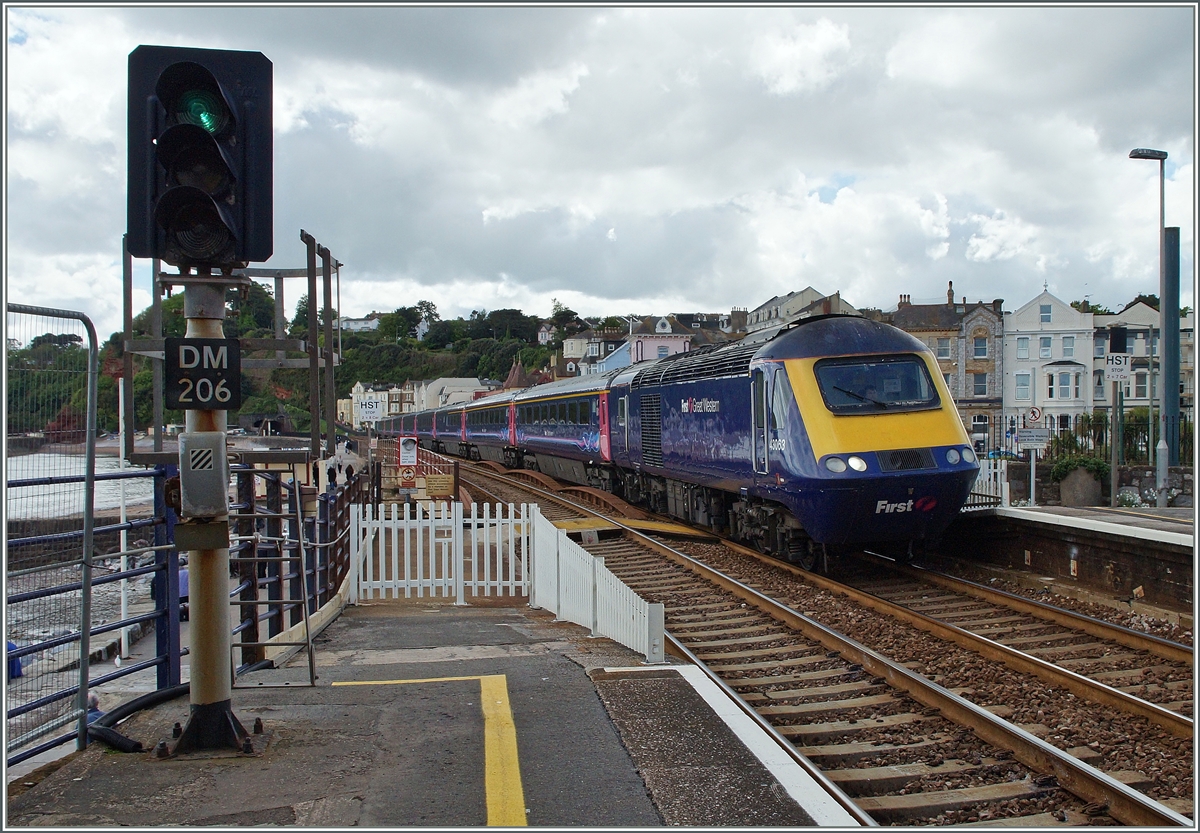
{"x": 1163, "y": 462}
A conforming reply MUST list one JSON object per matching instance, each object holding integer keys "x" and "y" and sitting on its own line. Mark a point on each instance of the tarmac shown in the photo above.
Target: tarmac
{"x": 431, "y": 714}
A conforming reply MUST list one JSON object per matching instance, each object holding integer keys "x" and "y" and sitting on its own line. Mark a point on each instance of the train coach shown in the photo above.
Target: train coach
{"x": 833, "y": 431}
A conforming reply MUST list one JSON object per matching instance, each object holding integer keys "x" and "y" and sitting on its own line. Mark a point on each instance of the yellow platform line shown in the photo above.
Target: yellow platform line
{"x": 502, "y": 766}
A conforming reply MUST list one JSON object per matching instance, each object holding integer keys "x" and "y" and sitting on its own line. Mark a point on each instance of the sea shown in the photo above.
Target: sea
{"x": 66, "y": 499}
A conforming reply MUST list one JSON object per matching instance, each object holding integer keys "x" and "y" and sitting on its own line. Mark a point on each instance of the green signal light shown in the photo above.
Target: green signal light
{"x": 204, "y": 109}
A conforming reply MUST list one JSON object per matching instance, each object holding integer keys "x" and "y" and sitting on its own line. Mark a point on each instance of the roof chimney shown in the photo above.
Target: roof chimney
{"x": 950, "y": 293}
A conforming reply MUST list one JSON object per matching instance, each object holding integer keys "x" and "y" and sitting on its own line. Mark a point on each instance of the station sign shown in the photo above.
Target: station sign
{"x": 202, "y": 374}
{"x": 1116, "y": 367}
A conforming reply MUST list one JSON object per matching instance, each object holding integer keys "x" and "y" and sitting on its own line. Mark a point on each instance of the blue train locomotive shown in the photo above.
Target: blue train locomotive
{"x": 833, "y": 431}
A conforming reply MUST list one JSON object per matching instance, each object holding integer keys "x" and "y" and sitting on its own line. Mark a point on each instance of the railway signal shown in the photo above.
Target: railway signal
{"x": 200, "y": 156}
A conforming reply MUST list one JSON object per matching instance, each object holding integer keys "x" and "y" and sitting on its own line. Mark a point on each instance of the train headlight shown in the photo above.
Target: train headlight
{"x": 835, "y": 464}
{"x": 857, "y": 463}
{"x": 968, "y": 455}
{"x": 952, "y": 456}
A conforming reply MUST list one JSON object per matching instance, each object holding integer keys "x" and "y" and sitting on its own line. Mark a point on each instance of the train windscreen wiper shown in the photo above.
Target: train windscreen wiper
{"x": 861, "y": 398}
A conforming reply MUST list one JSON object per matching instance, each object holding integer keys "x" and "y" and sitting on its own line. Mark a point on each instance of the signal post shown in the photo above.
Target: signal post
{"x": 200, "y": 199}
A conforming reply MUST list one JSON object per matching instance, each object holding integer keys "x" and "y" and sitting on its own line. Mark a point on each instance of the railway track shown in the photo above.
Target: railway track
{"x": 935, "y": 747}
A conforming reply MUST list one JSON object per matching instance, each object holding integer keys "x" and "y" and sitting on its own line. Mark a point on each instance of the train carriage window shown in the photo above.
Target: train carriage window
{"x": 851, "y": 386}
{"x": 585, "y": 412}
{"x": 573, "y": 413}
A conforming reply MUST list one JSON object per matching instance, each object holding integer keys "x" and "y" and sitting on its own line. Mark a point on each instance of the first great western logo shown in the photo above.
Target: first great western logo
{"x": 692, "y": 405}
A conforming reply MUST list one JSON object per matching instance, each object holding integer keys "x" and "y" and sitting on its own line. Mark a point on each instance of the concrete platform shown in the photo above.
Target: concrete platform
{"x": 431, "y": 714}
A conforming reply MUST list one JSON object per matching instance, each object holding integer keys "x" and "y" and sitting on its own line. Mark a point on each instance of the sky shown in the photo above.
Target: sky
{"x": 641, "y": 160}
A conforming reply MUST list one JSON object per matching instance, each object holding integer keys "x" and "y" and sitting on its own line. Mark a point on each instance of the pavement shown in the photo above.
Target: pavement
{"x": 426, "y": 713}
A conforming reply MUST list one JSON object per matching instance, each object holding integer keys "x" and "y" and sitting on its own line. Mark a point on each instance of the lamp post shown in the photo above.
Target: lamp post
{"x": 1161, "y": 156}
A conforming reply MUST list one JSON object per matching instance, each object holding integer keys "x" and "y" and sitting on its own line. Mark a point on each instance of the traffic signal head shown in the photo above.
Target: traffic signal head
{"x": 200, "y": 156}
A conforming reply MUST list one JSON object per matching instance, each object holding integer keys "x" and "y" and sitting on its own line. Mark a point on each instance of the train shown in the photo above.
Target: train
{"x": 801, "y": 441}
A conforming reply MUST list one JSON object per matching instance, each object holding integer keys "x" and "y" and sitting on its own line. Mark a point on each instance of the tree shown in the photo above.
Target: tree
{"x": 1148, "y": 300}
{"x": 428, "y": 312}
{"x": 400, "y": 323}
{"x": 1098, "y": 309}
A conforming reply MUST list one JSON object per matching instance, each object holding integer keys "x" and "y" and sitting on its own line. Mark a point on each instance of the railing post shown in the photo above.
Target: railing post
{"x": 456, "y": 545}
{"x": 355, "y": 552}
{"x": 655, "y": 626}
{"x": 247, "y": 568}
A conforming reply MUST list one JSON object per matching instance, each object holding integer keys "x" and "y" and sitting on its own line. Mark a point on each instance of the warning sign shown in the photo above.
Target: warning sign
{"x": 408, "y": 477}
{"x": 439, "y": 485}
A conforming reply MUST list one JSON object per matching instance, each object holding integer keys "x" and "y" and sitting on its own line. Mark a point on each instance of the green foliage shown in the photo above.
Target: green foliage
{"x": 1066, "y": 465}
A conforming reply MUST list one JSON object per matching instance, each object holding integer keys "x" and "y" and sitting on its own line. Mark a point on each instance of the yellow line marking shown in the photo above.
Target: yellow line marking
{"x": 501, "y": 764}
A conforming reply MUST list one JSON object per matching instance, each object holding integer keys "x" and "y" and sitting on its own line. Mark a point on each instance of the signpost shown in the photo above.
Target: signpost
{"x": 1116, "y": 370}
{"x": 370, "y": 410}
{"x": 1035, "y": 440}
{"x": 203, "y": 374}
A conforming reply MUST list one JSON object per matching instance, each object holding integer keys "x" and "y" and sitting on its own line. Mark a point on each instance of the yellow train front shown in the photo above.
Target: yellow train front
{"x": 836, "y": 431}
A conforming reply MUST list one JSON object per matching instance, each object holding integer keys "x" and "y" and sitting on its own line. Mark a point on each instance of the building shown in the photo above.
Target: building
{"x": 358, "y": 325}
{"x": 968, "y": 341}
{"x": 446, "y": 391}
{"x": 786, "y": 308}
{"x": 1048, "y": 350}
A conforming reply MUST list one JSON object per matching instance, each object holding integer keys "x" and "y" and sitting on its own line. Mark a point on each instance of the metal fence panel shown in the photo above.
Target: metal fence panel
{"x": 50, "y": 435}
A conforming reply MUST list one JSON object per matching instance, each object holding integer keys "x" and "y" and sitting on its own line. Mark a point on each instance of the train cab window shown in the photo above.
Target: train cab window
{"x": 856, "y": 386}
{"x": 779, "y": 400}
{"x": 622, "y": 402}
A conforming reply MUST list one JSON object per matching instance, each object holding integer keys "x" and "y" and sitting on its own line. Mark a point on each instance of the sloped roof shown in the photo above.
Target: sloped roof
{"x": 927, "y": 317}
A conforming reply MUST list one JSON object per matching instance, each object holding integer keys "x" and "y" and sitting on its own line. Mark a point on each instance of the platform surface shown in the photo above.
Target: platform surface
{"x": 428, "y": 714}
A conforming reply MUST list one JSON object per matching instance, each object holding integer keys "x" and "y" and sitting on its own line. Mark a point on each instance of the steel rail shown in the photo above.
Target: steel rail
{"x": 812, "y": 770}
{"x": 1124, "y": 803}
{"x": 1128, "y": 637}
{"x": 1079, "y": 685}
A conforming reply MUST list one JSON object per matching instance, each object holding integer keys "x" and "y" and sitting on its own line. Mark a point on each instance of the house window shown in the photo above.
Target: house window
{"x": 1049, "y": 385}
{"x": 1044, "y": 310}
{"x": 1023, "y": 386}
{"x": 1098, "y": 384}
{"x": 1139, "y": 385}
{"x": 1064, "y": 422}
{"x": 980, "y": 387}
{"x": 1068, "y": 347}
{"x": 979, "y": 424}
{"x": 1078, "y": 383}
{"x": 593, "y": 349}
{"x": 1064, "y": 385}
{"x": 662, "y": 352}
{"x": 1022, "y": 347}
{"x": 1098, "y": 345}
{"x": 946, "y": 376}
{"x": 1045, "y": 344}
{"x": 981, "y": 348}
{"x": 943, "y": 348}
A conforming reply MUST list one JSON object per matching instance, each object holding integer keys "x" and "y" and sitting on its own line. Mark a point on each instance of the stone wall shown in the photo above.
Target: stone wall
{"x": 1139, "y": 480}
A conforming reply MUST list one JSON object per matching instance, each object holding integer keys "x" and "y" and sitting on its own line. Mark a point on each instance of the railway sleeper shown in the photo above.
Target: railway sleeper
{"x": 846, "y": 754}
{"x": 814, "y": 733}
{"x": 924, "y": 805}
{"x": 877, "y": 780}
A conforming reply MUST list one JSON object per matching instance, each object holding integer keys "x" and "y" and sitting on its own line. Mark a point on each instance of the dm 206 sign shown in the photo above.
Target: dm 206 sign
{"x": 203, "y": 374}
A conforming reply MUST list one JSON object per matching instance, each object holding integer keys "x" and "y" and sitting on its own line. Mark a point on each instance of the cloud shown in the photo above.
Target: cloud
{"x": 810, "y": 58}
{"x": 1000, "y": 237}
{"x": 488, "y": 155}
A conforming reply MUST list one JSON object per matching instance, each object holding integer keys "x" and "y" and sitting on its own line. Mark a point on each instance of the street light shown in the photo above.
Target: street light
{"x": 1161, "y": 156}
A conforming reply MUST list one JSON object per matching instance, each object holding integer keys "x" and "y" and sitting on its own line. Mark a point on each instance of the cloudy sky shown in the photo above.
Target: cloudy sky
{"x": 647, "y": 160}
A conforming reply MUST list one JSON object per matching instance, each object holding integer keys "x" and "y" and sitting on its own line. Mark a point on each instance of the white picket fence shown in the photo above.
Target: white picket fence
{"x": 990, "y": 488}
{"x": 575, "y": 586}
{"x": 411, "y": 550}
